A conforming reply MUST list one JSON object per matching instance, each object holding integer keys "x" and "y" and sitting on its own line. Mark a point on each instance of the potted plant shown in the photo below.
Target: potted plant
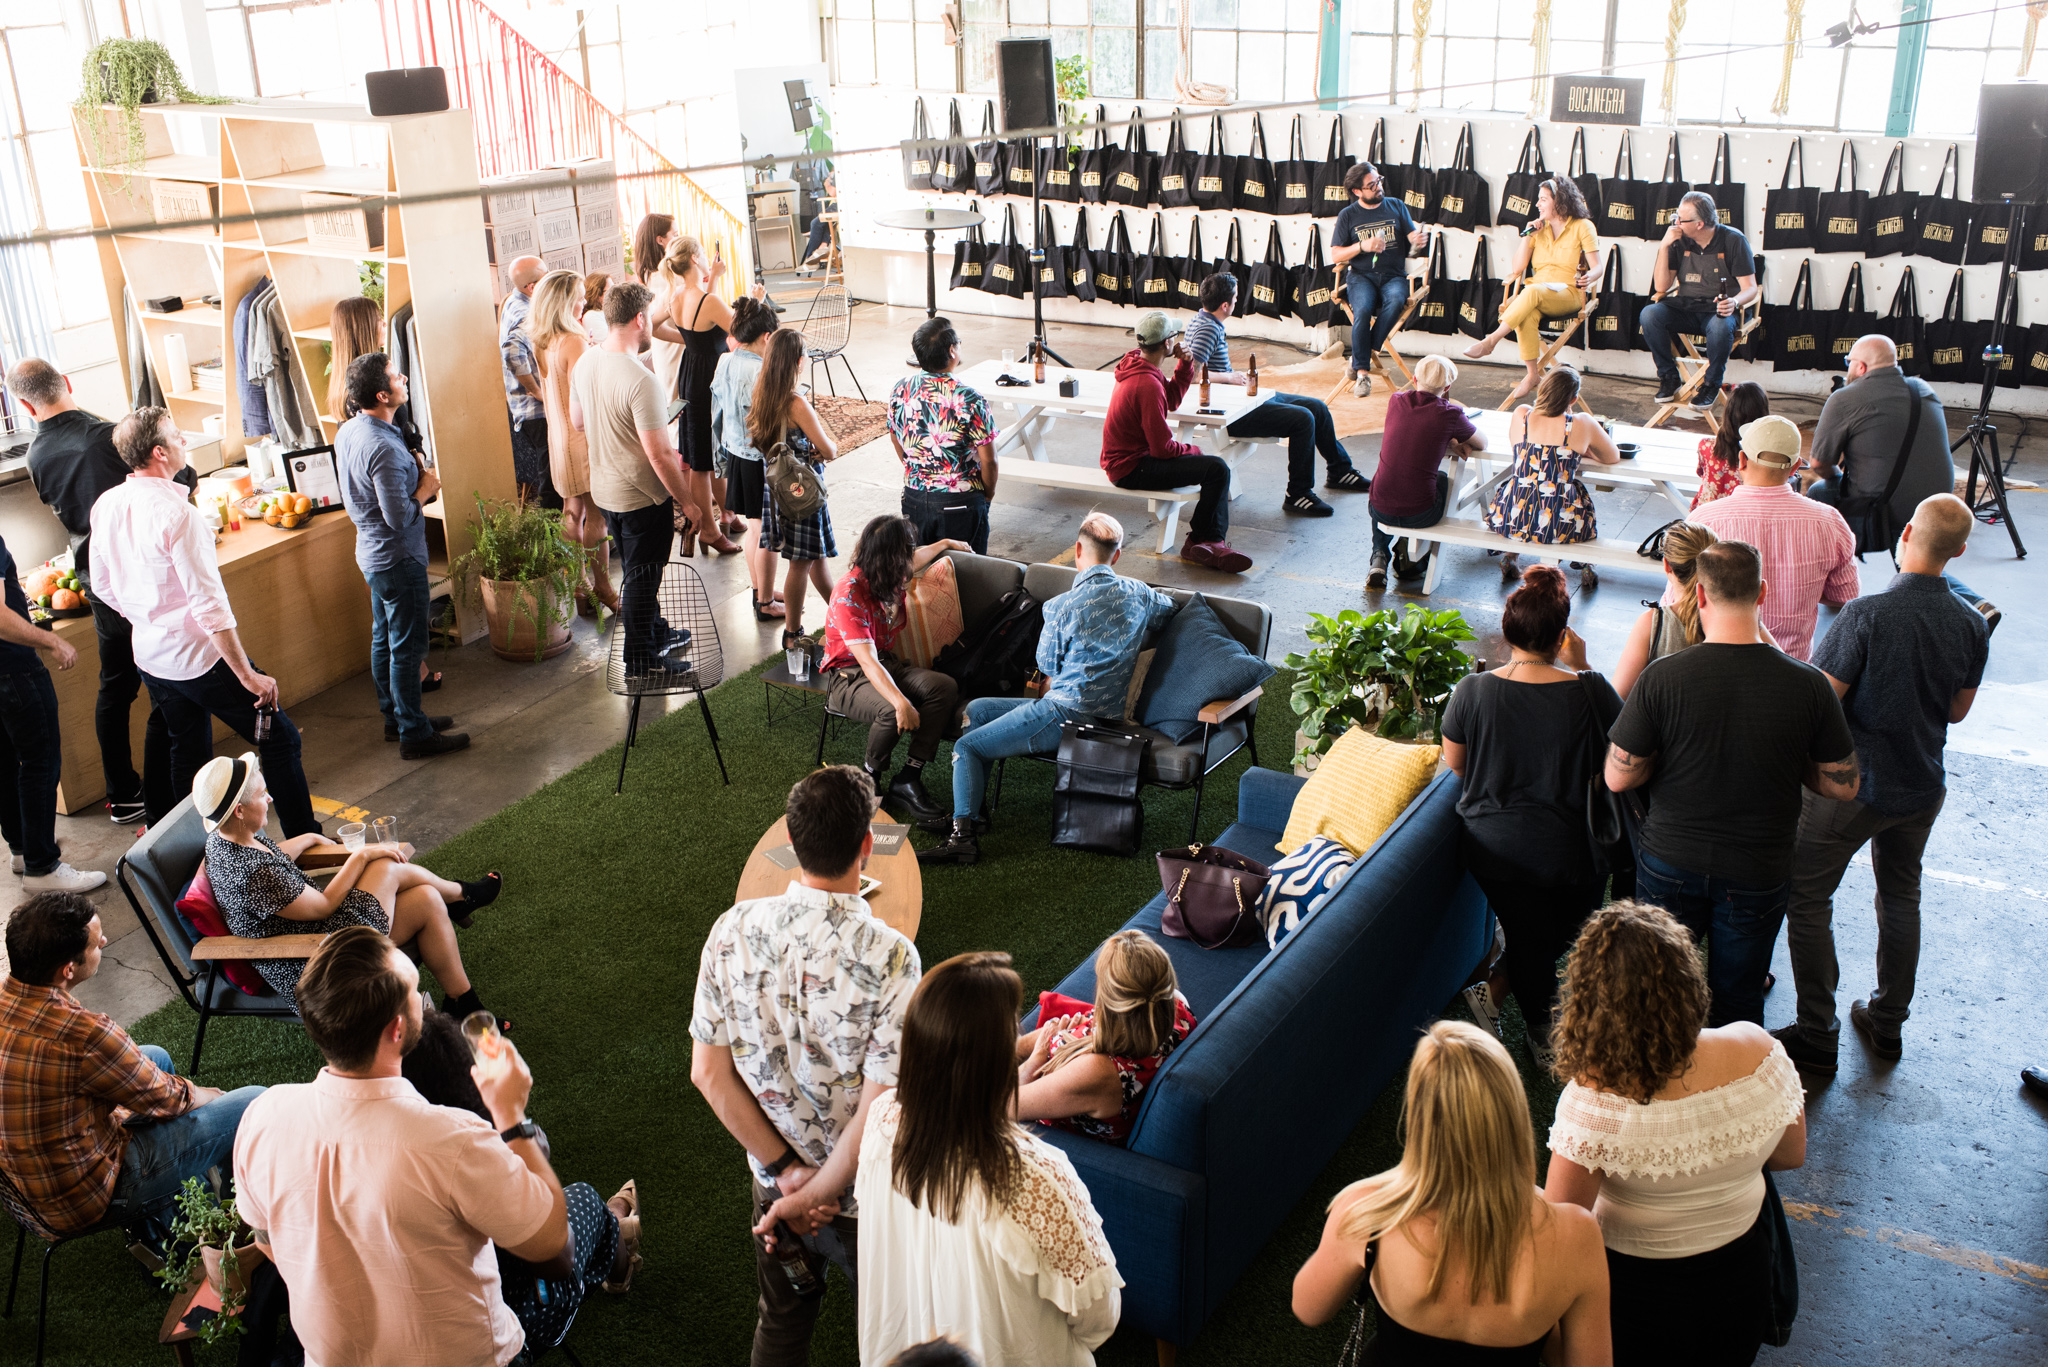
{"x": 1391, "y": 675}
{"x": 128, "y": 73}
{"x": 207, "y": 1239}
{"x": 526, "y": 573}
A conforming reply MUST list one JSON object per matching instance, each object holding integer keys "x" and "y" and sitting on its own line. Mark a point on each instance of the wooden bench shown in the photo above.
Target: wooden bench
{"x": 1164, "y": 504}
{"x": 324, "y": 859}
{"x": 1463, "y": 531}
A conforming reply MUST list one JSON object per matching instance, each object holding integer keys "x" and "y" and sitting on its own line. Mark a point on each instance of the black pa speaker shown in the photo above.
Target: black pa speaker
{"x": 407, "y": 90}
{"x": 1024, "y": 85}
{"x": 2012, "y": 144}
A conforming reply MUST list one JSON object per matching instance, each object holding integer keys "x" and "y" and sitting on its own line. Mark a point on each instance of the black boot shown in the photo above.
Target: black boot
{"x": 907, "y": 791}
{"x": 960, "y": 848}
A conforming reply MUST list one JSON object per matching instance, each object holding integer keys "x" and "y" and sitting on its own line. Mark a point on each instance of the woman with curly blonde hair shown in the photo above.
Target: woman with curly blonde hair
{"x": 1466, "y": 1263}
{"x": 1665, "y": 1132}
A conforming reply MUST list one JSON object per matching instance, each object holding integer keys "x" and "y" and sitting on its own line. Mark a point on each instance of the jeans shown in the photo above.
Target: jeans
{"x": 1376, "y": 306}
{"x": 935, "y": 696}
{"x": 1661, "y": 324}
{"x": 188, "y": 705}
{"x": 1306, "y": 424}
{"x": 120, "y": 681}
{"x": 1383, "y": 544}
{"x": 996, "y": 729}
{"x": 1540, "y": 924}
{"x": 31, "y": 759}
{"x": 1211, "y": 520}
{"x": 530, "y": 462}
{"x": 1830, "y": 833}
{"x": 645, "y": 537}
{"x": 782, "y": 1334}
{"x": 940, "y": 514}
{"x": 398, "y": 644}
{"x": 1739, "y": 924}
{"x": 161, "y": 1154}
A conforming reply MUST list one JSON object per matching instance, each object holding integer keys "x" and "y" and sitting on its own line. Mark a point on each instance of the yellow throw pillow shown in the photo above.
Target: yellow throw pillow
{"x": 1357, "y": 790}
{"x": 932, "y": 615}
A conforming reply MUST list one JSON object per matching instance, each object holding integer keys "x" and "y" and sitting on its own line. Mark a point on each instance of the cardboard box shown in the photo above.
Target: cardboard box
{"x": 608, "y": 256}
{"x": 338, "y": 224}
{"x": 599, "y": 221}
{"x": 554, "y": 231}
{"x": 550, "y": 197}
{"x": 597, "y": 179}
{"x": 569, "y": 258}
{"x": 508, "y": 198}
{"x": 184, "y": 201}
{"x": 500, "y": 285}
{"x": 509, "y": 241}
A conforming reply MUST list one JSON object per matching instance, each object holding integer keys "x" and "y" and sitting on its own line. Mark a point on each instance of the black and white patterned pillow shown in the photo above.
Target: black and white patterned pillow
{"x": 1300, "y": 883}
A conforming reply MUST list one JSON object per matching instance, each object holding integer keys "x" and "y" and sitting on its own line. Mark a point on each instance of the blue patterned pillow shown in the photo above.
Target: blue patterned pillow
{"x": 1300, "y": 883}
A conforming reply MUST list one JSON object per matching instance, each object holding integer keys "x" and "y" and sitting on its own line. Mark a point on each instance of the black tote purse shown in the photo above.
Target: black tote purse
{"x": 1789, "y": 210}
{"x": 1215, "y": 181}
{"x": 1092, "y": 179}
{"x": 1990, "y": 226}
{"x": 953, "y": 171}
{"x": 1463, "y": 198}
{"x": 1155, "y": 276}
{"x": 1415, "y": 183}
{"x": 1614, "y": 322}
{"x": 1943, "y": 232}
{"x": 917, "y": 161}
{"x": 1232, "y": 263}
{"x": 1728, "y": 194}
{"x": 1009, "y": 262}
{"x": 1113, "y": 264}
{"x": 1624, "y": 200}
{"x": 1293, "y": 176}
{"x": 1903, "y": 324}
{"x": 1080, "y": 262}
{"x": 1136, "y": 167}
{"x": 1438, "y": 313}
{"x": 1095, "y": 804}
{"x": 1272, "y": 293}
{"x": 1589, "y": 184}
{"x": 1254, "y": 187}
{"x": 970, "y": 259}
{"x": 1843, "y": 223}
{"x": 1849, "y": 322}
{"x": 1057, "y": 167}
{"x": 1665, "y": 194}
{"x": 1479, "y": 296}
{"x": 1315, "y": 283}
{"x": 1894, "y": 210}
{"x": 991, "y": 156}
{"x": 1796, "y": 335}
{"x": 1176, "y": 167}
{"x": 1952, "y": 342}
{"x": 2033, "y": 355}
{"x": 1192, "y": 270}
{"x": 1518, "y": 196}
{"x": 2033, "y": 242}
{"x": 1327, "y": 195}
{"x": 1052, "y": 269}
{"x": 1020, "y": 166}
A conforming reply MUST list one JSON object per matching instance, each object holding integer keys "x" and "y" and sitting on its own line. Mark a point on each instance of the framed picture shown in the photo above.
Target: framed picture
{"x": 311, "y": 472}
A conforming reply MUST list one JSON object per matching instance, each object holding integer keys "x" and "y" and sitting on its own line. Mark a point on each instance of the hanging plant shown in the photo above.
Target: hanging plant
{"x": 128, "y": 73}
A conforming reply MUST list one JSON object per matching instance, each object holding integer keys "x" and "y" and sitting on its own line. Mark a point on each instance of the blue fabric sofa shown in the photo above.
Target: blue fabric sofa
{"x": 1290, "y": 1047}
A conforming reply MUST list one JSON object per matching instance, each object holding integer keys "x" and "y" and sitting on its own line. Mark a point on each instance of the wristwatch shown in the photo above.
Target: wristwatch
{"x": 789, "y": 1155}
{"x": 525, "y": 1129}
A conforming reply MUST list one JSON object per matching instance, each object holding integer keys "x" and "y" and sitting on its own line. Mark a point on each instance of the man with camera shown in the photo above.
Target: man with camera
{"x": 1704, "y": 274}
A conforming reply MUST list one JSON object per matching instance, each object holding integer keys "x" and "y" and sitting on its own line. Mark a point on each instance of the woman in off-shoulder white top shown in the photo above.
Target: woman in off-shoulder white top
{"x": 1664, "y": 1132}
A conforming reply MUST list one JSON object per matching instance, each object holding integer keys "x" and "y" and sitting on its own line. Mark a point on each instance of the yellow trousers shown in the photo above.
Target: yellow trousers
{"x": 1526, "y": 312}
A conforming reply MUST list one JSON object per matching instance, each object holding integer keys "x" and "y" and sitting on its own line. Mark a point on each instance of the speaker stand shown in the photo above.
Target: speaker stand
{"x": 1038, "y": 266}
{"x": 1981, "y": 436}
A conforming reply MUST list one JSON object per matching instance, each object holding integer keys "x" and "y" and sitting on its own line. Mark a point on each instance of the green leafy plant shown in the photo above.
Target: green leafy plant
{"x": 523, "y": 543}
{"x": 129, "y": 73}
{"x": 371, "y": 276}
{"x": 1390, "y": 675}
{"x": 1070, "y": 81}
{"x": 202, "y": 1222}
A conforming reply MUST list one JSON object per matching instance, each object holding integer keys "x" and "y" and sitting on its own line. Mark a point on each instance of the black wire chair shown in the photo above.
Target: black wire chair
{"x": 29, "y": 1222}
{"x": 678, "y": 652}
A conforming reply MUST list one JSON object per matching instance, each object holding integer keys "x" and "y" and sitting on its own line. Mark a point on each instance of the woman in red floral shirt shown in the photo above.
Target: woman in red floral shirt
{"x": 1720, "y": 456}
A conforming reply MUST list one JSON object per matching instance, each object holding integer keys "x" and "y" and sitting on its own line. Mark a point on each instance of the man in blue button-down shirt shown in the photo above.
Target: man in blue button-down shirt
{"x": 386, "y": 490}
{"x": 1087, "y": 650}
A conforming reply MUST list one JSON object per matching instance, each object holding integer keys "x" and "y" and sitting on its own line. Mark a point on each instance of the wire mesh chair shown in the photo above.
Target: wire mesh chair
{"x": 28, "y": 1221}
{"x": 826, "y": 331}
{"x": 678, "y": 651}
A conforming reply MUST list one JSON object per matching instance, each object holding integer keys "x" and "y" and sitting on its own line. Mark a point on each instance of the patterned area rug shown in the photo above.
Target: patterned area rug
{"x": 854, "y": 424}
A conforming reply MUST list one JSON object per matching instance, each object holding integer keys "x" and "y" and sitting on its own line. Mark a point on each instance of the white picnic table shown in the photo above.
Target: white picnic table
{"x": 1668, "y": 462}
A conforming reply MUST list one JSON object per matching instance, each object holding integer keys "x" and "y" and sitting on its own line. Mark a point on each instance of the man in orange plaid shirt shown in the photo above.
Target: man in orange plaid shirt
{"x": 91, "y": 1124}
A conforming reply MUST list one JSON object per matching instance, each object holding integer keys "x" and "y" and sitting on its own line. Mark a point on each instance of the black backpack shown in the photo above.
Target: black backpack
{"x": 996, "y": 656}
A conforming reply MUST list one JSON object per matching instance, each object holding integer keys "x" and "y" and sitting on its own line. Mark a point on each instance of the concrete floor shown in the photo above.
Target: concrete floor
{"x": 1924, "y": 1201}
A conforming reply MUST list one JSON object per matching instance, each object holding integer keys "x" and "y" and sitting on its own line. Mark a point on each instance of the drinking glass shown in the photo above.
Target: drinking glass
{"x": 799, "y": 661}
{"x": 352, "y": 835}
{"x": 1009, "y": 358}
{"x": 384, "y": 830}
{"x": 486, "y": 1045}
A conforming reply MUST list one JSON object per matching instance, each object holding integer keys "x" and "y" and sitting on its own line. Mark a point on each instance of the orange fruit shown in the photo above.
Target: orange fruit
{"x": 293, "y": 519}
{"x": 272, "y": 515}
{"x": 64, "y": 600}
{"x": 301, "y": 504}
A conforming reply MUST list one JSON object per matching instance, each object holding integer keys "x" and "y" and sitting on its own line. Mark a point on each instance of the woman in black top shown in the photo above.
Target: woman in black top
{"x": 1517, "y": 737}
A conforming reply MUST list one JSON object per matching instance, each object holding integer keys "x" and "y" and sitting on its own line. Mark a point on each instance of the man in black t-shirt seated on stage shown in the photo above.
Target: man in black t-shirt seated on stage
{"x": 1705, "y": 274}
{"x": 1373, "y": 240}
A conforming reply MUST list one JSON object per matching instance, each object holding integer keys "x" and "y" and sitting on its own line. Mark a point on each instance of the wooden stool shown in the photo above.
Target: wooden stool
{"x": 1557, "y": 334}
{"x": 1418, "y": 290}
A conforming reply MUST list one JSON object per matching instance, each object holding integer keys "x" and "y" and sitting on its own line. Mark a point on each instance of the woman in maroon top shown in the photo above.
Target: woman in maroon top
{"x": 1409, "y": 489}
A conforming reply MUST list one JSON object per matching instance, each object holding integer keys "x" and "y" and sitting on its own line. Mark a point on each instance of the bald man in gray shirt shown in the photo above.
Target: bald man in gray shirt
{"x": 1857, "y": 440}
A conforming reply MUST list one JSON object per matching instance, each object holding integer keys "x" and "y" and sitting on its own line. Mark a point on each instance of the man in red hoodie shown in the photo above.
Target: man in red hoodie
{"x": 1139, "y": 452}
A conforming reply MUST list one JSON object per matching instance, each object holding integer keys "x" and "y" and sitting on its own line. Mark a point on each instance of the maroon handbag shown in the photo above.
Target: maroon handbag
{"x": 1212, "y": 896}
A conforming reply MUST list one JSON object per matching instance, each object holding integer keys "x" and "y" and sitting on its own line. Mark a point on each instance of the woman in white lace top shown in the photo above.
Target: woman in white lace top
{"x": 1664, "y": 1132}
{"x": 970, "y": 1225}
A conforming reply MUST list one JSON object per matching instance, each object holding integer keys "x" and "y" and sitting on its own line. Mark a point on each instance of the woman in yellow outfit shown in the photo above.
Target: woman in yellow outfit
{"x": 1560, "y": 258}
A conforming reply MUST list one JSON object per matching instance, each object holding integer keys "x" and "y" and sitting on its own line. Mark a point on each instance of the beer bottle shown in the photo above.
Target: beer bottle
{"x": 1204, "y": 401}
{"x": 1038, "y": 370}
{"x": 1251, "y": 384}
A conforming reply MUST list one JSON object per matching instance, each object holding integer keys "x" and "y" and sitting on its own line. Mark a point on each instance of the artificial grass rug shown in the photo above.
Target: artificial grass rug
{"x": 592, "y": 952}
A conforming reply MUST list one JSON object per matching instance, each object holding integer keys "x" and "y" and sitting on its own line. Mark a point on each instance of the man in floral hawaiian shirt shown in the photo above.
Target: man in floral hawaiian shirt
{"x": 945, "y": 437}
{"x": 798, "y": 1028}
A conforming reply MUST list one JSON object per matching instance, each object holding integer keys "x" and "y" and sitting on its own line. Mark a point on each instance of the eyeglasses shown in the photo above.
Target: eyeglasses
{"x": 1687, "y": 222}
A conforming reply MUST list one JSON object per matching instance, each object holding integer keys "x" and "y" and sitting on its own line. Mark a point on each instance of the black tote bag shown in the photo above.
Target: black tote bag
{"x": 1624, "y": 200}
{"x": 1843, "y": 223}
{"x": 1176, "y": 167}
{"x": 1943, "y": 232}
{"x": 1438, "y": 313}
{"x": 2033, "y": 353}
{"x": 1479, "y": 297}
{"x": 1096, "y": 170}
{"x": 1789, "y": 210}
{"x": 1232, "y": 263}
{"x": 970, "y": 259}
{"x": 1192, "y": 270}
{"x": 1052, "y": 269}
{"x": 917, "y": 161}
{"x": 1518, "y": 196}
{"x": 1463, "y": 199}
{"x": 1020, "y": 166}
{"x": 1136, "y": 167}
{"x": 1057, "y": 167}
{"x": 1327, "y": 195}
{"x": 1080, "y": 262}
{"x": 991, "y": 156}
{"x": 1155, "y": 276}
{"x": 1215, "y": 181}
{"x": 1796, "y": 335}
{"x": 1272, "y": 293}
{"x": 1990, "y": 226}
{"x": 1293, "y": 176}
{"x": 1665, "y": 194}
{"x": 1254, "y": 187}
{"x": 1009, "y": 262}
{"x": 1315, "y": 283}
{"x": 953, "y": 172}
{"x": 1903, "y": 324}
{"x": 1113, "y": 264}
{"x": 1614, "y": 323}
{"x": 1589, "y": 184}
{"x": 1950, "y": 340}
{"x": 1415, "y": 183}
{"x": 1730, "y": 201}
{"x": 1849, "y": 322}
{"x": 1894, "y": 210}
{"x": 2034, "y": 241}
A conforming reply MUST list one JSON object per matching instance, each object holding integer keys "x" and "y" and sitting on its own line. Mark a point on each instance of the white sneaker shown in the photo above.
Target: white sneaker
{"x": 1485, "y": 1015}
{"x": 19, "y": 866}
{"x": 1361, "y": 384}
{"x": 64, "y": 878}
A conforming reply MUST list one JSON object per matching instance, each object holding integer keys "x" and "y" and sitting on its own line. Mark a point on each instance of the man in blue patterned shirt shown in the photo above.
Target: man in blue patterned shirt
{"x": 522, "y": 384}
{"x": 1087, "y": 649}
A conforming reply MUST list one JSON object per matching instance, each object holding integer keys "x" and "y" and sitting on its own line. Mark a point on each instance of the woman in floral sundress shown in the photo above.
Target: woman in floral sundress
{"x": 1542, "y": 499}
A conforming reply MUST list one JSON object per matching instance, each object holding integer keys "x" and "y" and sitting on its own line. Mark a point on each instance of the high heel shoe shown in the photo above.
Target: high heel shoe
{"x": 718, "y": 541}
{"x": 732, "y": 524}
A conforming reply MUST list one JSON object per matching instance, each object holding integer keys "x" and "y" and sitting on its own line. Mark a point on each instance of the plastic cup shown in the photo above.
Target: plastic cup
{"x": 1009, "y": 359}
{"x": 384, "y": 830}
{"x": 352, "y": 834}
{"x": 486, "y": 1046}
{"x": 799, "y": 661}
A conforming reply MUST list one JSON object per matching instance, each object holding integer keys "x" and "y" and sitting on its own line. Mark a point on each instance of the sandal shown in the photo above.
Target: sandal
{"x": 431, "y": 682}
{"x": 732, "y": 524}
{"x": 629, "y": 1238}
{"x": 793, "y": 638}
{"x": 584, "y": 607}
{"x": 770, "y": 611}
{"x": 475, "y": 897}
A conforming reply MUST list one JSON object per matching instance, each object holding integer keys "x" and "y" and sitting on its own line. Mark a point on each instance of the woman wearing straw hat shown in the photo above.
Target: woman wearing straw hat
{"x": 262, "y": 891}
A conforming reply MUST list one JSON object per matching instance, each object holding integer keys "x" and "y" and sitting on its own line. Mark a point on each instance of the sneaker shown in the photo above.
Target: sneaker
{"x": 1666, "y": 394}
{"x": 2035, "y": 1080}
{"x": 1361, "y": 384}
{"x": 1991, "y": 614}
{"x": 1305, "y": 504}
{"x": 1883, "y": 1045}
{"x": 1216, "y": 555}
{"x": 1588, "y": 578}
{"x": 1485, "y": 1015}
{"x": 438, "y": 723}
{"x": 126, "y": 813}
{"x": 63, "y": 878}
{"x": 1376, "y": 576}
{"x": 442, "y": 743}
{"x": 1545, "y": 1056}
{"x": 1201, "y": 553}
{"x": 1808, "y": 1056}
{"x": 1348, "y": 481}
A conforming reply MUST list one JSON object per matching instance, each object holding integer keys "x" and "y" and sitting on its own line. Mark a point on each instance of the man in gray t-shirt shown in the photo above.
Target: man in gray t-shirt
{"x": 1861, "y": 430}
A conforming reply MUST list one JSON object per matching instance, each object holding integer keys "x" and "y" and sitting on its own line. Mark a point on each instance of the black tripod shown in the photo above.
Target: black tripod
{"x": 1981, "y": 436}
{"x": 1038, "y": 259}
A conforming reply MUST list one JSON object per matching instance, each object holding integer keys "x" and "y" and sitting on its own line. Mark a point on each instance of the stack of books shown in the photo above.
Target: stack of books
{"x": 209, "y": 377}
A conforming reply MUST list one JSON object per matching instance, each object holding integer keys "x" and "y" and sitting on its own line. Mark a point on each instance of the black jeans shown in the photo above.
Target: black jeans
{"x": 1308, "y": 428}
{"x": 120, "y": 681}
{"x": 1211, "y": 521}
{"x": 1383, "y": 544}
{"x": 961, "y": 514}
{"x": 646, "y": 536}
{"x": 935, "y": 696}
{"x": 1540, "y": 924}
{"x": 189, "y": 705}
{"x": 31, "y": 758}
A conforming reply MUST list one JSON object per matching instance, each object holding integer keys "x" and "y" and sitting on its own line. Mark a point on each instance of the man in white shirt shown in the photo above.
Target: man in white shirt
{"x": 798, "y": 1028}
{"x": 379, "y": 1209}
{"x": 154, "y": 563}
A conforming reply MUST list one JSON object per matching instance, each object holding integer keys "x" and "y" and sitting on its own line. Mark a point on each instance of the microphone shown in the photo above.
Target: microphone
{"x": 1531, "y": 226}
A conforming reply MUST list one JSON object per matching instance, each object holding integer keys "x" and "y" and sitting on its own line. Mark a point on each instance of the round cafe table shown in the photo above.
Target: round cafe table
{"x": 931, "y": 222}
{"x": 898, "y": 902}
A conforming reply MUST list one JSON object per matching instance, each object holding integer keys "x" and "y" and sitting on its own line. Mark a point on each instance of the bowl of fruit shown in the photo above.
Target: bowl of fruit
{"x": 283, "y": 509}
{"x": 55, "y": 592}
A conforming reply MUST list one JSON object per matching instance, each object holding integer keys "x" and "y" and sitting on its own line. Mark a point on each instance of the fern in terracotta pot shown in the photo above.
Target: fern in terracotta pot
{"x": 128, "y": 73}
{"x": 526, "y": 574}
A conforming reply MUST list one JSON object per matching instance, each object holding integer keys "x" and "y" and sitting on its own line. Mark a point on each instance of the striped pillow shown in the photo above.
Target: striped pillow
{"x": 1302, "y": 882}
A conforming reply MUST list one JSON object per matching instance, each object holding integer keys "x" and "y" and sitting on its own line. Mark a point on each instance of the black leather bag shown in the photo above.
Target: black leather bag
{"x": 991, "y": 156}
{"x": 1095, "y": 803}
{"x": 1096, "y": 170}
{"x": 1155, "y": 276}
{"x": 1215, "y": 180}
{"x": 1176, "y": 167}
{"x": 1902, "y": 323}
{"x": 970, "y": 259}
{"x": 953, "y": 171}
{"x": 1612, "y": 819}
{"x": 1624, "y": 200}
{"x": 1613, "y": 326}
{"x": 917, "y": 161}
{"x": 1437, "y": 314}
{"x": 1894, "y": 210}
{"x": 1292, "y": 177}
{"x": 1479, "y": 297}
{"x": 1843, "y": 223}
{"x": 1192, "y": 270}
{"x": 1730, "y": 195}
{"x": 1789, "y": 210}
{"x": 1950, "y": 338}
{"x": 1212, "y": 896}
{"x": 1254, "y": 186}
{"x": 1315, "y": 283}
{"x": 1665, "y": 194}
{"x": 1009, "y": 263}
{"x": 1797, "y": 337}
{"x": 1589, "y": 184}
{"x": 1943, "y": 231}
{"x": 1518, "y": 196}
{"x": 1415, "y": 183}
{"x": 1052, "y": 271}
{"x": 1990, "y": 226}
{"x": 1327, "y": 195}
{"x": 1080, "y": 262}
{"x": 1849, "y": 322}
{"x": 1272, "y": 294}
{"x": 1463, "y": 198}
